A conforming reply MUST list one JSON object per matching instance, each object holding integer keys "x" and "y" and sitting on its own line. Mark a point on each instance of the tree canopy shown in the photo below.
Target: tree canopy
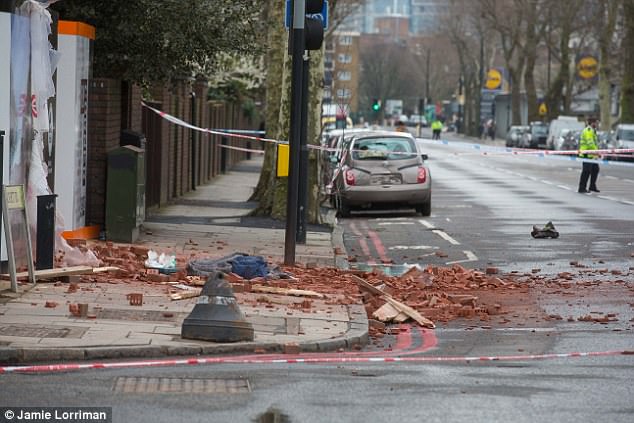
{"x": 147, "y": 41}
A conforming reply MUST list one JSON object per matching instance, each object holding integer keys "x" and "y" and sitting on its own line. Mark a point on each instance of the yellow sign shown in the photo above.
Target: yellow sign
{"x": 587, "y": 67}
{"x": 543, "y": 109}
{"x": 15, "y": 197}
{"x": 494, "y": 79}
{"x": 282, "y": 159}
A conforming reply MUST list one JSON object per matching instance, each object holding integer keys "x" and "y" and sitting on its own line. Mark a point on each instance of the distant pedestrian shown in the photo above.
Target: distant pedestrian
{"x": 400, "y": 126}
{"x": 436, "y": 129}
{"x": 588, "y": 140}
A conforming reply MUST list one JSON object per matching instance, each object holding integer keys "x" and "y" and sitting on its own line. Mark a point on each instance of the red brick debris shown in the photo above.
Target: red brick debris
{"x": 442, "y": 294}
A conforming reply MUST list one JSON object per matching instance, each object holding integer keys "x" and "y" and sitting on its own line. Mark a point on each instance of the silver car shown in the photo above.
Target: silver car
{"x": 382, "y": 170}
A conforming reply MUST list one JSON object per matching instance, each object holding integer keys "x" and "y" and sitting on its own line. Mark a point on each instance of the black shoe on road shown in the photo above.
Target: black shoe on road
{"x": 594, "y": 190}
{"x": 583, "y": 191}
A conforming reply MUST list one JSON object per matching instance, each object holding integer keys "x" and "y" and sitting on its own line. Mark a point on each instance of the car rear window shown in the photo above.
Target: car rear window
{"x": 626, "y": 134}
{"x": 383, "y": 149}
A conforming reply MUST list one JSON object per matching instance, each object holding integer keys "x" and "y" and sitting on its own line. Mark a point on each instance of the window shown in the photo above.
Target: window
{"x": 344, "y": 75}
{"x": 345, "y": 40}
{"x": 344, "y": 58}
{"x": 344, "y": 93}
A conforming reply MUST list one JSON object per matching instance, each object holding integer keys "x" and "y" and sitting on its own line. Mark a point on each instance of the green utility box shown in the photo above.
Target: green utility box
{"x": 125, "y": 194}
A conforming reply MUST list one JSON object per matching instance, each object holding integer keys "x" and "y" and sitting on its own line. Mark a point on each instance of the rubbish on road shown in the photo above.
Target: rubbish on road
{"x": 548, "y": 231}
{"x": 165, "y": 263}
{"x": 286, "y": 291}
{"x": 216, "y": 316}
{"x": 53, "y": 273}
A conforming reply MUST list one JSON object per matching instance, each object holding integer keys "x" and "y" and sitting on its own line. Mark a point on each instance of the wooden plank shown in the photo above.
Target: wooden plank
{"x": 186, "y": 294}
{"x": 369, "y": 287}
{"x": 105, "y": 269}
{"x": 54, "y": 273}
{"x": 285, "y": 291}
{"x": 411, "y": 313}
{"x": 385, "y": 313}
{"x": 396, "y": 304}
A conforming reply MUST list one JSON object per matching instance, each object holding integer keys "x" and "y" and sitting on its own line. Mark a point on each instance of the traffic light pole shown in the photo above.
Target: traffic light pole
{"x": 303, "y": 160}
{"x": 298, "y": 42}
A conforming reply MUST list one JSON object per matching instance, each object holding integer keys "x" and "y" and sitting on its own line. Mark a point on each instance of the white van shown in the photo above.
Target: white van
{"x": 624, "y": 134}
{"x": 555, "y": 136}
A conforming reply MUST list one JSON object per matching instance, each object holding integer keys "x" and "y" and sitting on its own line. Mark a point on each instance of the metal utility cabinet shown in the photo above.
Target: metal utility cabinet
{"x": 125, "y": 194}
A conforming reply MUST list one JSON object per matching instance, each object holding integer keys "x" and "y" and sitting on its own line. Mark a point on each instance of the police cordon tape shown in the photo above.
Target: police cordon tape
{"x": 51, "y": 368}
{"x": 569, "y": 155}
{"x": 483, "y": 149}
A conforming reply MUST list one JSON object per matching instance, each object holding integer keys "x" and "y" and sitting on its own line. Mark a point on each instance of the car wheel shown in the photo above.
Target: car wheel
{"x": 424, "y": 209}
{"x": 342, "y": 207}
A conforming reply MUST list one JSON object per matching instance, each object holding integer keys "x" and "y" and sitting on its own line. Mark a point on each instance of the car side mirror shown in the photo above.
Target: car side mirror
{"x": 424, "y": 156}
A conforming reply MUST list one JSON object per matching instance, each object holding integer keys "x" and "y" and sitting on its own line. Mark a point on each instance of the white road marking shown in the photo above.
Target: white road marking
{"x": 610, "y": 177}
{"x": 445, "y": 236}
{"x": 426, "y": 224}
{"x": 395, "y": 223}
{"x": 564, "y": 187}
{"x": 470, "y": 257}
{"x": 547, "y": 182}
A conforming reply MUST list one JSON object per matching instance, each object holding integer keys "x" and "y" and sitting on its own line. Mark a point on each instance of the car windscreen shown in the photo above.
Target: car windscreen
{"x": 383, "y": 149}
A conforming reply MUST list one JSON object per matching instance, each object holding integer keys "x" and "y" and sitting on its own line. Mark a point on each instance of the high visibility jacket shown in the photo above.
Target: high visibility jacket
{"x": 588, "y": 140}
{"x": 436, "y": 125}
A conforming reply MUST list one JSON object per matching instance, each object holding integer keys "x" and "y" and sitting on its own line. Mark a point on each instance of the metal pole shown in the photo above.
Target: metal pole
{"x": 303, "y": 159}
{"x": 223, "y": 155}
{"x": 193, "y": 140}
{"x": 297, "y": 39}
{"x": 427, "y": 80}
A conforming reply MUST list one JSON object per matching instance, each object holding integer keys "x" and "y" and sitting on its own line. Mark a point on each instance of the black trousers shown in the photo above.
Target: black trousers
{"x": 436, "y": 134}
{"x": 589, "y": 170}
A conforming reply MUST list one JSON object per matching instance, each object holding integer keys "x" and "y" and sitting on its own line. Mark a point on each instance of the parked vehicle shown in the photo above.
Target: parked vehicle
{"x": 382, "y": 170}
{"x": 569, "y": 140}
{"x": 556, "y": 134}
{"x": 514, "y": 135}
{"x": 414, "y": 120}
{"x": 536, "y": 136}
{"x": 624, "y": 136}
{"x": 334, "y": 142}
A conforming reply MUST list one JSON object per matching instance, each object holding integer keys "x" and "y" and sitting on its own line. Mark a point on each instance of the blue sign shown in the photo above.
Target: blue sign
{"x": 323, "y": 15}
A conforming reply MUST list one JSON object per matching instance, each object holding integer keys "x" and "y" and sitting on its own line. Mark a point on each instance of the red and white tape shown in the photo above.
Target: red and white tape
{"x": 338, "y": 359}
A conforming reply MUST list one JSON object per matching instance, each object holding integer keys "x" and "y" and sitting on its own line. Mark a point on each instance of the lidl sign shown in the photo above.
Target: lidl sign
{"x": 494, "y": 80}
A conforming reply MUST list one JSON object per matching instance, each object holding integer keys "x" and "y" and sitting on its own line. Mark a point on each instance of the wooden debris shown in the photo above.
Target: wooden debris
{"x": 286, "y": 291}
{"x": 53, "y": 273}
{"x": 195, "y": 292}
{"x": 400, "y": 307}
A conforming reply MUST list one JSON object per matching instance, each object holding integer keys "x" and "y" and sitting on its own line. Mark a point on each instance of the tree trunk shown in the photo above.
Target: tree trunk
{"x": 627, "y": 88}
{"x": 274, "y": 60}
{"x": 608, "y": 24}
{"x": 515, "y": 73}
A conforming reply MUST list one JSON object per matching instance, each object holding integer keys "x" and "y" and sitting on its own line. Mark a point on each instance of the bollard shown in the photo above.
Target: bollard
{"x": 223, "y": 156}
{"x": 45, "y": 245}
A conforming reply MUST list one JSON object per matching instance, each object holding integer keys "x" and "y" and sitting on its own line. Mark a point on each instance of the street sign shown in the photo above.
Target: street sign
{"x": 543, "y": 109}
{"x": 323, "y": 16}
{"x": 587, "y": 67}
{"x": 494, "y": 79}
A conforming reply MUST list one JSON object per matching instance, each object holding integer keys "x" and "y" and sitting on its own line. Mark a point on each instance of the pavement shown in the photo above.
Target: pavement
{"x": 36, "y": 324}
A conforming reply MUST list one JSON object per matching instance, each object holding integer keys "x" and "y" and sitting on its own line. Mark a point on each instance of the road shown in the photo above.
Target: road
{"x": 483, "y": 210}
{"x": 485, "y": 205}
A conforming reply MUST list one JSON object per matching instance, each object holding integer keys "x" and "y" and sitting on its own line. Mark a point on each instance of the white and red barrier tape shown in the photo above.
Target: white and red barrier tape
{"x": 482, "y": 149}
{"x": 49, "y": 368}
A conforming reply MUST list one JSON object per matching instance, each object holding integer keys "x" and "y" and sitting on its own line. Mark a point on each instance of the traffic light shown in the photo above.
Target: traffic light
{"x": 314, "y": 24}
{"x": 376, "y": 104}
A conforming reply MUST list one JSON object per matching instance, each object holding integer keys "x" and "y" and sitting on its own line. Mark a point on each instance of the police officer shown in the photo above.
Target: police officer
{"x": 436, "y": 127}
{"x": 589, "y": 141}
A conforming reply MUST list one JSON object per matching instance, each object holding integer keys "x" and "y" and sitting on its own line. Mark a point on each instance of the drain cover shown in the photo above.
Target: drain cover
{"x": 38, "y": 331}
{"x": 152, "y": 385}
